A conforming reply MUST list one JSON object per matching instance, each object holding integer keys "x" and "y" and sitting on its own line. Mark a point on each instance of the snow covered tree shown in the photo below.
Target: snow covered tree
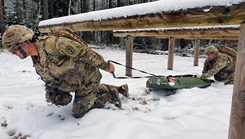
{"x": 21, "y": 12}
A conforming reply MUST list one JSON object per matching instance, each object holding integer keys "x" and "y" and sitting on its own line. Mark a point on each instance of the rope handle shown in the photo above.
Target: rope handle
{"x": 125, "y": 77}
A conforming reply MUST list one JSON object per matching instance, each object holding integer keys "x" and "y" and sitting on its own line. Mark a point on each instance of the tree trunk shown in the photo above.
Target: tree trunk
{"x": 165, "y": 44}
{"x": 110, "y": 4}
{"x": 94, "y": 5}
{"x": 1, "y": 17}
{"x": 24, "y": 7}
{"x": 45, "y": 9}
{"x": 119, "y": 3}
{"x": 69, "y": 8}
{"x": 51, "y": 9}
{"x": 84, "y": 6}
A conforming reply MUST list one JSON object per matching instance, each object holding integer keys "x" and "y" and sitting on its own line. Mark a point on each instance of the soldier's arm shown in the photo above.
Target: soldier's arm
{"x": 72, "y": 48}
{"x": 205, "y": 67}
{"x": 218, "y": 65}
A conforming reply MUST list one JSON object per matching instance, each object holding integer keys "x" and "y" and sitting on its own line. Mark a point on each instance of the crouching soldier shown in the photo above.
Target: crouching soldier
{"x": 219, "y": 65}
{"x": 66, "y": 64}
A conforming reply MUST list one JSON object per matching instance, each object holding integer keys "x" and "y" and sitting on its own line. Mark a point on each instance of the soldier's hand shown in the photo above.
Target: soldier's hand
{"x": 111, "y": 68}
{"x": 199, "y": 76}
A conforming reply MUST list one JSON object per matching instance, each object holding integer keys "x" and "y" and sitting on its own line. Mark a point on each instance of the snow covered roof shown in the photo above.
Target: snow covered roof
{"x": 140, "y": 9}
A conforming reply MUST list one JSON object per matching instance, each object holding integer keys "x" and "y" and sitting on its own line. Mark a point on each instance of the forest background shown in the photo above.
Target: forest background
{"x": 30, "y": 12}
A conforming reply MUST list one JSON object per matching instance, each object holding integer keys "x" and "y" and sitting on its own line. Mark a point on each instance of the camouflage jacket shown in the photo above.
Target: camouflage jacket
{"x": 222, "y": 68}
{"x": 66, "y": 65}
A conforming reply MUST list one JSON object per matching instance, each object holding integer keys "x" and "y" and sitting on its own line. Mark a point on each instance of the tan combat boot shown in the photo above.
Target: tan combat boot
{"x": 123, "y": 90}
{"x": 115, "y": 98}
{"x": 112, "y": 97}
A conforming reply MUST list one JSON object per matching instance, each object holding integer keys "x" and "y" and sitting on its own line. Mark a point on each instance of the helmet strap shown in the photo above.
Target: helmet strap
{"x": 22, "y": 52}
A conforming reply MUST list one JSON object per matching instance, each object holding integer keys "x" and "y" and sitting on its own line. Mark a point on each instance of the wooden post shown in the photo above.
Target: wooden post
{"x": 129, "y": 55}
{"x": 171, "y": 53}
{"x": 196, "y": 53}
{"x": 237, "y": 118}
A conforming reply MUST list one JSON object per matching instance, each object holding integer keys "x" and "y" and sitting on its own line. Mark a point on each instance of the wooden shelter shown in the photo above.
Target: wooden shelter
{"x": 200, "y": 16}
{"x": 203, "y": 16}
{"x": 230, "y": 32}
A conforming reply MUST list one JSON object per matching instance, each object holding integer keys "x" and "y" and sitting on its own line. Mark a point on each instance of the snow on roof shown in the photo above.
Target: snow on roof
{"x": 139, "y": 9}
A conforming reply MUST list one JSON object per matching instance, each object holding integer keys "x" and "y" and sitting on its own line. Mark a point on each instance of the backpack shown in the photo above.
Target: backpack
{"x": 62, "y": 32}
{"x": 227, "y": 50}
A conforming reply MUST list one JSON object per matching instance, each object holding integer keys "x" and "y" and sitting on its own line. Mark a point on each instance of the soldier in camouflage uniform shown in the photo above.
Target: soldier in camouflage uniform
{"x": 66, "y": 66}
{"x": 219, "y": 65}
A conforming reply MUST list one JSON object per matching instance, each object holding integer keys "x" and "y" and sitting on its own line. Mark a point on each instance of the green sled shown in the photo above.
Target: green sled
{"x": 182, "y": 81}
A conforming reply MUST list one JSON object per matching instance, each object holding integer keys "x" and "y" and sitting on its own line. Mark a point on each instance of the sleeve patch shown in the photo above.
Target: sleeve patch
{"x": 70, "y": 50}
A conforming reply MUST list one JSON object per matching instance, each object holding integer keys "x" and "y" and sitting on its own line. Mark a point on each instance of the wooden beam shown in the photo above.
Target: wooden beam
{"x": 129, "y": 55}
{"x": 171, "y": 53}
{"x": 233, "y": 32}
{"x": 237, "y": 118}
{"x": 211, "y": 38}
{"x": 196, "y": 52}
{"x": 202, "y": 37}
{"x": 217, "y": 15}
{"x": 216, "y": 33}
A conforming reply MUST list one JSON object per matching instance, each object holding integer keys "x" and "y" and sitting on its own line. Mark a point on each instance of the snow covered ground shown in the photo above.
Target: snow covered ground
{"x": 189, "y": 114}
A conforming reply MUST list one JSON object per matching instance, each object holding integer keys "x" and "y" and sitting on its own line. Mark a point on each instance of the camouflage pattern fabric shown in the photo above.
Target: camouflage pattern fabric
{"x": 67, "y": 66}
{"x": 105, "y": 95}
{"x": 222, "y": 68}
{"x": 57, "y": 97}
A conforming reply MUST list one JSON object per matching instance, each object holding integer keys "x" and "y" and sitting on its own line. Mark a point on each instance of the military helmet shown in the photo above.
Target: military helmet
{"x": 210, "y": 49}
{"x": 16, "y": 36}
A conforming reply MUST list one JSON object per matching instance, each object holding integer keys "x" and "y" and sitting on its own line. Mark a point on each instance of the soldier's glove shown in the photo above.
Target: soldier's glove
{"x": 57, "y": 97}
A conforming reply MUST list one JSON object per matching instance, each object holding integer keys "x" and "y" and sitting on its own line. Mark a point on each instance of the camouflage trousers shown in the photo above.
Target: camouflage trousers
{"x": 86, "y": 97}
{"x": 228, "y": 80}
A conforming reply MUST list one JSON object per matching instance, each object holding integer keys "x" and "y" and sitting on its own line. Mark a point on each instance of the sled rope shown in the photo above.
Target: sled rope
{"x": 125, "y": 77}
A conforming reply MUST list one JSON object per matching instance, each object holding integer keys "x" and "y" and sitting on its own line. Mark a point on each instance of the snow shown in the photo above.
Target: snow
{"x": 196, "y": 113}
{"x": 139, "y": 9}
